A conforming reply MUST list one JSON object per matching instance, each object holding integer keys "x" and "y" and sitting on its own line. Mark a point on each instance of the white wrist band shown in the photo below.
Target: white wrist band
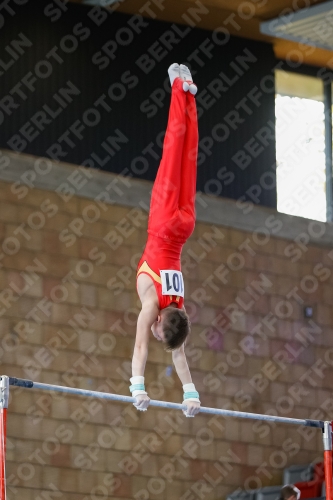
{"x": 138, "y": 385}
{"x": 190, "y": 393}
{"x": 137, "y": 379}
{"x": 189, "y": 387}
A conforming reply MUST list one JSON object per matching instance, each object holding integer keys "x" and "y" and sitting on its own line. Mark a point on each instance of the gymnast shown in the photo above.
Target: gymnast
{"x": 171, "y": 221}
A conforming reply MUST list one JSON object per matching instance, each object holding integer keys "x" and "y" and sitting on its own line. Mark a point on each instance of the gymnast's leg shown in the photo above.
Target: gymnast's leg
{"x": 189, "y": 157}
{"x": 166, "y": 190}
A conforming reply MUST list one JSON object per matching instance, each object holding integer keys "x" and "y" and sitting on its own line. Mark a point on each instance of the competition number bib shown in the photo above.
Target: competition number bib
{"x": 172, "y": 283}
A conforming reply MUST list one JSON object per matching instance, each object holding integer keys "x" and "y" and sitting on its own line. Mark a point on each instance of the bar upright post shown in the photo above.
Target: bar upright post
{"x": 327, "y": 439}
{"x": 4, "y": 395}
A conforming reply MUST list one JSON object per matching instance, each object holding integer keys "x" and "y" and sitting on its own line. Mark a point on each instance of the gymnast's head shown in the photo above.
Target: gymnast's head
{"x": 172, "y": 327}
{"x": 290, "y": 492}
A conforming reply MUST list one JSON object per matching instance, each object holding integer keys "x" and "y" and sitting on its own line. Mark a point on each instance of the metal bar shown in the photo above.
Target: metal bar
{"x": 327, "y": 440}
{"x": 4, "y": 391}
{"x": 163, "y": 404}
{"x": 4, "y": 397}
{"x": 328, "y": 150}
{"x": 3, "y": 428}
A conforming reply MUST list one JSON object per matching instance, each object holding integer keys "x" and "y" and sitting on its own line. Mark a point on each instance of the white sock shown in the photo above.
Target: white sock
{"x": 193, "y": 88}
{"x": 174, "y": 72}
{"x": 185, "y": 73}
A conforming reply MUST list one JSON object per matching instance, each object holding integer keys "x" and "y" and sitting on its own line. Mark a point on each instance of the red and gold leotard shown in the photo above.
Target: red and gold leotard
{"x": 161, "y": 254}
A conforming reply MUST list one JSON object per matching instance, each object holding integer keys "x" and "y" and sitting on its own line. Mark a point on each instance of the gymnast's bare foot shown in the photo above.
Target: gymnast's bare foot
{"x": 188, "y": 84}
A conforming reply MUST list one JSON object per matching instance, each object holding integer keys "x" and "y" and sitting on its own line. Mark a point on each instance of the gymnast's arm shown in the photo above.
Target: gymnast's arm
{"x": 180, "y": 362}
{"x": 146, "y": 318}
{"x": 183, "y": 372}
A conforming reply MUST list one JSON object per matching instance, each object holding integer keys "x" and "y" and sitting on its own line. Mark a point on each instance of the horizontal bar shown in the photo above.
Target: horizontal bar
{"x": 163, "y": 404}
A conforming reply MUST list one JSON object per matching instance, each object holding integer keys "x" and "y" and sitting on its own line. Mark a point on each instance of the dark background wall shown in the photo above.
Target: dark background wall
{"x": 89, "y": 87}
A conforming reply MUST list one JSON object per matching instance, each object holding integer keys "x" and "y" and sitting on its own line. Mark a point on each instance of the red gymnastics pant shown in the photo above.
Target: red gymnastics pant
{"x": 172, "y": 206}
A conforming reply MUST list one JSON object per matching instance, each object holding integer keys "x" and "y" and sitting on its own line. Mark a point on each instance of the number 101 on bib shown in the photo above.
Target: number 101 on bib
{"x": 172, "y": 283}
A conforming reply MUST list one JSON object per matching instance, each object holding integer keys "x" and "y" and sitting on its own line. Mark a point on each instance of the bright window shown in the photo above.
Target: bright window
{"x": 300, "y": 146}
